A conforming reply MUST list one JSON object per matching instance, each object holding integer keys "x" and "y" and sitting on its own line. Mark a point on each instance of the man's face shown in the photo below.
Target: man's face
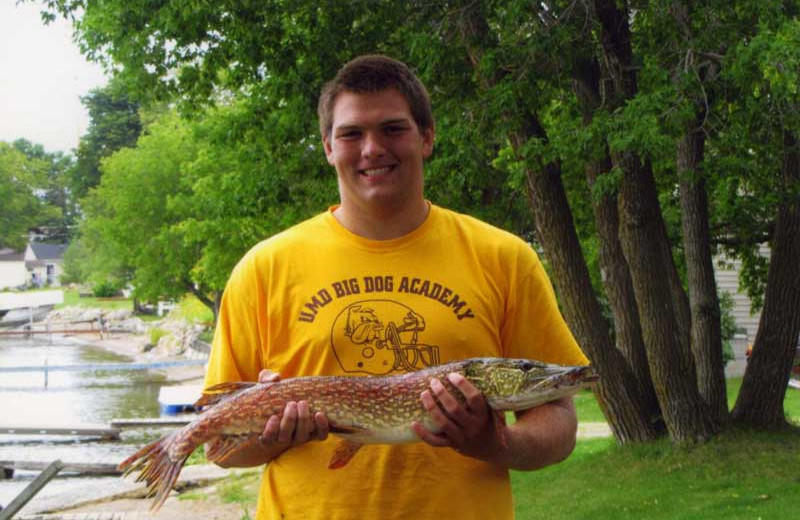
{"x": 378, "y": 151}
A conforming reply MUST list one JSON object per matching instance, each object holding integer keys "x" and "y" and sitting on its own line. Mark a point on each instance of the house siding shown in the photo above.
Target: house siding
{"x": 727, "y": 276}
{"x": 12, "y": 274}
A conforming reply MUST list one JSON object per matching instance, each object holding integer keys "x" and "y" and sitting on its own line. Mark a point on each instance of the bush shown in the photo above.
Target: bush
{"x": 105, "y": 290}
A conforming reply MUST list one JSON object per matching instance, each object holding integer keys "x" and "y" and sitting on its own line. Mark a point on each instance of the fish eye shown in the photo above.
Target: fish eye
{"x": 526, "y": 366}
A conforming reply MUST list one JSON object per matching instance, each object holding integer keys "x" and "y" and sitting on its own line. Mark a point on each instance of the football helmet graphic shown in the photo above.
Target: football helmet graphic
{"x": 379, "y": 337}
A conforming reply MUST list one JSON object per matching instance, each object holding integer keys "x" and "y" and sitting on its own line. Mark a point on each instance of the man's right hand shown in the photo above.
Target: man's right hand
{"x": 294, "y": 427}
{"x": 297, "y": 426}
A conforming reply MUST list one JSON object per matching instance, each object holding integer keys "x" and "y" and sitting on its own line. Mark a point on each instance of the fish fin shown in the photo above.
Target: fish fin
{"x": 156, "y": 468}
{"x": 344, "y": 451}
{"x": 221, "y": 448}
{"x": 221, "y": 392}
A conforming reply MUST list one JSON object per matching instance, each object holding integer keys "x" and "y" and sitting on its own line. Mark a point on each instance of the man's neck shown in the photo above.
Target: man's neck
{"x": 382, "y": 224}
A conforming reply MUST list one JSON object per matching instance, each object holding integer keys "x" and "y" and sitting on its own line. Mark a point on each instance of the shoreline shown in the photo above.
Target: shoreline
{"x": 118, "y": 497}
{"x": 131, "y": 347}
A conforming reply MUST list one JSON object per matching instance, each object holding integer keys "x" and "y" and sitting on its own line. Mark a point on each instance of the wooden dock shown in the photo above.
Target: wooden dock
{"x": 51, "y": 469}
{"x": 104, "y": 366}
{"x": 84, "y": 430}
{"x": 85, "y": 468}
{"x": 150, "y": 423}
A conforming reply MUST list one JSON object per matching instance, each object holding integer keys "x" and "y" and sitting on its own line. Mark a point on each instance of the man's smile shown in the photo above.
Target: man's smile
{"x": 374, "y": 172}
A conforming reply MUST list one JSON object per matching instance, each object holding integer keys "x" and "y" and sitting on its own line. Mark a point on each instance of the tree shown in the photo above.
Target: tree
{"x": 594, "y": 113}
{"x": 53, "y": 190}
{"x": 769, "y": 67}
{"x": 20, "y": 207}
{"x": 113, "y": 124}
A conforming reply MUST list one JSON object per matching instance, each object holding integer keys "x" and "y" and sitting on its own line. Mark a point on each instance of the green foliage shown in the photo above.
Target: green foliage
{"x": 105, "y": 289}
{"x": 21, "y": 208}
{"x": 241, "y": 159}
{"x": 114, "y": 124}
{"x": 52, "y": 188}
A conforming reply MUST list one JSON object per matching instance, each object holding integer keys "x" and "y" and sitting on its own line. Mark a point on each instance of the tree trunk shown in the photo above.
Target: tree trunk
{"x": 613, "y": 266}
{"x": 706, "y": 325}
{"x": 618, "y": 392}
{"x": 662, "y": 305}
{"x": 646, "y": 249}
{"x": 212, "y": 301}
{"x": 760, "y": 401}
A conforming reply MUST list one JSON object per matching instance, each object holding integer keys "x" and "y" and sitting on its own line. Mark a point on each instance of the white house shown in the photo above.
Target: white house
{"x": 13, "y": 273}
{"x": 726, "y": 273}
{"x": 44, "y": 263}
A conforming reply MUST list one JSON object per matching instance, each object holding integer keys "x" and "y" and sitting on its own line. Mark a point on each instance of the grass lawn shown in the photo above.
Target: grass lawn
{"x": 72, "y": 299}
{"x": 738, "y": 475}
{"x": 589, "y": 411}
{"x": 189, "y": 308}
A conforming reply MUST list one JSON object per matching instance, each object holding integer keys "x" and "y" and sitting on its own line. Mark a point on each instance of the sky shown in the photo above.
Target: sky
{"x": 42, "y": 76}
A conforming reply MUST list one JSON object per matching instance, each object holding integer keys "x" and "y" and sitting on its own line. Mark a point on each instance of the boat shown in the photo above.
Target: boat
{"x": 173, "y": 400}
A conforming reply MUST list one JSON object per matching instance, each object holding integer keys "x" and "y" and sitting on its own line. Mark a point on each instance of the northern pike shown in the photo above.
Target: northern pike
{"x": 360, "y": 410}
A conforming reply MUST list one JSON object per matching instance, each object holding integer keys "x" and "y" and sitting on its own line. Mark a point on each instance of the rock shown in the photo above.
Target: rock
{"x": 180, "y": 338}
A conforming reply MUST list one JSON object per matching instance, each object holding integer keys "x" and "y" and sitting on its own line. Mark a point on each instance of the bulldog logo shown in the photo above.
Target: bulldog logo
{"x": 378, "y": 337}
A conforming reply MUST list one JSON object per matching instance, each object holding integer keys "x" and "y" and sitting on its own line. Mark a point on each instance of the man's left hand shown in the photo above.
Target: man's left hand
{"x": 468, "y": 427}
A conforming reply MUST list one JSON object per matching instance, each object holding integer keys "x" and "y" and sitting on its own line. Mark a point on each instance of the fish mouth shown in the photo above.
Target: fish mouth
{"x": 550, "y": 389}
{"x": 579, "y": 376}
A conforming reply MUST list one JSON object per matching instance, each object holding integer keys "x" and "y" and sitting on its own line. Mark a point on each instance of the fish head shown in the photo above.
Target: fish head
{"x": 519, "y": 384}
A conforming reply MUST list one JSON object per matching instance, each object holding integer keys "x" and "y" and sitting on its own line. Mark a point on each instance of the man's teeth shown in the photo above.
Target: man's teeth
{"x": 376, "y": 171}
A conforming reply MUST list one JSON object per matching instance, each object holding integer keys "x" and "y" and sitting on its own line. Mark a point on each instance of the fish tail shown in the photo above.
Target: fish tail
{"x": 156, "y": 468}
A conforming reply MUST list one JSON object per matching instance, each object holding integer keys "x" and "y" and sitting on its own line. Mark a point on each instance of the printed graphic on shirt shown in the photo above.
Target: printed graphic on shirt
{"x": 379, "y": 337}
{"x": 380, "y": 285}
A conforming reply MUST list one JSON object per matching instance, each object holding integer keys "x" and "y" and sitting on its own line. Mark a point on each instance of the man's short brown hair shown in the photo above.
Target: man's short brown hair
{"x": 375, "y": 73}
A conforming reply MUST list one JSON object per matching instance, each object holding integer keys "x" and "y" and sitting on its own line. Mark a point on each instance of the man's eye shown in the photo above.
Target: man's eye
{"x": 394, "y": 129}
{"x": 353, "y": 134}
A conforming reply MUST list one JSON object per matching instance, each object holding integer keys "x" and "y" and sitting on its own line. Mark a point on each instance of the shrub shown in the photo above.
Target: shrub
{"x": 105, "y": 289}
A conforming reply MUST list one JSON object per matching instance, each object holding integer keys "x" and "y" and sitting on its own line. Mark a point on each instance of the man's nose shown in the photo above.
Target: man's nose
{"x": 373, "y": 145}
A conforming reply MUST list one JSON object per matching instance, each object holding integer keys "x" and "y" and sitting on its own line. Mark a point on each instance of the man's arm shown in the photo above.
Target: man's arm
{"x": 541, "y": 436}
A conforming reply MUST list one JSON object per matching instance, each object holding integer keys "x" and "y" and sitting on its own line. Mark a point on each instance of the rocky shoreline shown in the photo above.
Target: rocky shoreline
{"x": 127, "y": 335}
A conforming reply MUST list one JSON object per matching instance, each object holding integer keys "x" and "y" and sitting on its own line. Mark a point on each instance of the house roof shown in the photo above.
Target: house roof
{"x": 44, "y": 251}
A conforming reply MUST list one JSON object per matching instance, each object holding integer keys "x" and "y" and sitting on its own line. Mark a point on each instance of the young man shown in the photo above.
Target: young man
{"x": 381, "y": 284}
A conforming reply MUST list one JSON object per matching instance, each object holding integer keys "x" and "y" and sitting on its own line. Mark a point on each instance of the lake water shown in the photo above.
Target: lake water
{"x": 71, "y": 398}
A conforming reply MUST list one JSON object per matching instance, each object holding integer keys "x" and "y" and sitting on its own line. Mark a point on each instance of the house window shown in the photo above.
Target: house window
{"x": 51, "y": 274}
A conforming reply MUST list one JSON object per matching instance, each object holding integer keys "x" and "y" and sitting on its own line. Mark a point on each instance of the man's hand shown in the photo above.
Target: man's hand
{"x": 468, "y": 428}
{"x": 541, "y": 436}
{"x": 294, "y": 427}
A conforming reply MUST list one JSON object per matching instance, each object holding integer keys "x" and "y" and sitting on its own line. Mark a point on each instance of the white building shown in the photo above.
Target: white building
{"x": 13, "y": 273}
{"x": 44, "y": 263}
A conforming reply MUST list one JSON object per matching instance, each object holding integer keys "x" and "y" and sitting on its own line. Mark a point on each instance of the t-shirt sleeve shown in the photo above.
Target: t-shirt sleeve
{"x": 533, "y": 326}
{"x": 236, "y": 349}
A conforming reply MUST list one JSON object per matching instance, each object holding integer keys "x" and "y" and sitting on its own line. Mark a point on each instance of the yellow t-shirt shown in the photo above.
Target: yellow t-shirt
{"x": 319, "y": 300}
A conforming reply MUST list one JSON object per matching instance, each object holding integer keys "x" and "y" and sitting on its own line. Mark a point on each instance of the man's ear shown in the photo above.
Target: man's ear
{"x": 428, "y": 137}
{"x": 326, "y": 144}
